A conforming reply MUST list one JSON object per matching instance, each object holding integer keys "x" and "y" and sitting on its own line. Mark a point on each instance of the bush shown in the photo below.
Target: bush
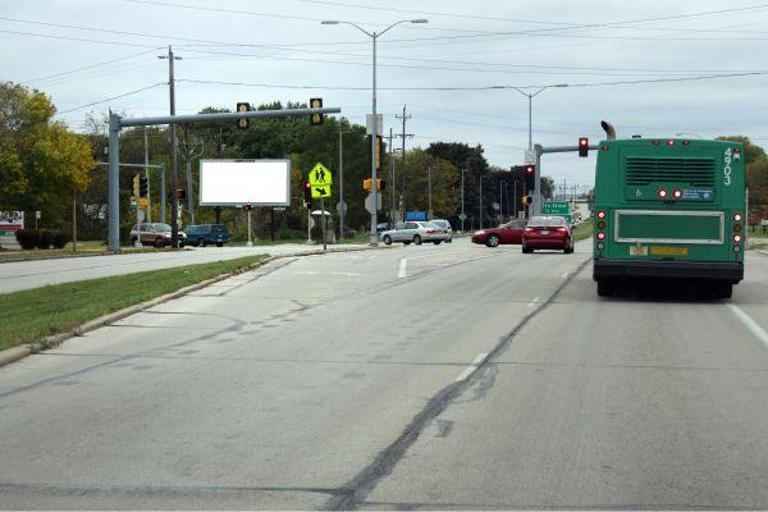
{"x": 45, "y": 240}
{"x": 60, "y": 239}
{"x": 28, "y": 238}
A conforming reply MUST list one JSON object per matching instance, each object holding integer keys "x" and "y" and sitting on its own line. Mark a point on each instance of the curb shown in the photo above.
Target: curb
{"x": 13, "y": 354}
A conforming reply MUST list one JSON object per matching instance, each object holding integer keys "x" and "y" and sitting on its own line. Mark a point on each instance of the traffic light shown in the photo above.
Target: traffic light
{"x": 143, "y": 186}
{"x": 527, "y": 200}
{"x": 181, "y": 194}
{"x": 529, "y": 176}
{"x": 136, "y": 185}
{"x": 381, "y": 185}
{"x": 243, "y": 124}
{"x": 379, "y": 150}
{"x": 583, "y": 146}
{"x": 316, "y": 119}
{"x": 308, "y": 194}
{"x": 247, "y": 207}
{"x": 367, "y": 184}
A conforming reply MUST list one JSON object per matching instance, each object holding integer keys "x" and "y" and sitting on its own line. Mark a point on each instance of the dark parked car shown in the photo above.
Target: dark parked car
{"x": 204, "y": 234}
{"x": 510, "y": 233}
{"x": 547, "y": 232}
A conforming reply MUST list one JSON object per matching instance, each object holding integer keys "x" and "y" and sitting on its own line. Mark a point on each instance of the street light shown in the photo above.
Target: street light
{"x": 374, "y": 36}
{"x": 530, "y": 97}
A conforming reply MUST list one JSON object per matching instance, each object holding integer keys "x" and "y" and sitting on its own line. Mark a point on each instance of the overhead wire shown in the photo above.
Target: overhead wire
{"x": 112, "y": 98}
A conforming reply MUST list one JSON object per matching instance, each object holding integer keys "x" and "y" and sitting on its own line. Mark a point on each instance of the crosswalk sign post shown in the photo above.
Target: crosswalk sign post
{"x": 321, "y": 179}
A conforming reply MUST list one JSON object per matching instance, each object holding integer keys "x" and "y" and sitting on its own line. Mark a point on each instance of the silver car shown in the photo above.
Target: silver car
{"x": 155, "y": 233}
{"x": 445, "y": 225}
{"x": 416, "y": 232}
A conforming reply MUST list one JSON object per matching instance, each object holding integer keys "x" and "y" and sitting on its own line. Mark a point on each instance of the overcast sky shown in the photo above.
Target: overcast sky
{"x": 85, "y": 51}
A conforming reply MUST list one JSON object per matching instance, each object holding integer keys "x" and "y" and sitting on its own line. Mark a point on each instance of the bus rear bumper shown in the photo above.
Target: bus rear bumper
{"x": 730, "y": 272}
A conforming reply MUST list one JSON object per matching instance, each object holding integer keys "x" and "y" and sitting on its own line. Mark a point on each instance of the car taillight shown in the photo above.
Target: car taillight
{"x": 601, "y": 236}
{"x": 562, "y": 230}
{"x": 601, "y": 214}
{"x": 529, "y": 230}
{"x": 430, "y": 231}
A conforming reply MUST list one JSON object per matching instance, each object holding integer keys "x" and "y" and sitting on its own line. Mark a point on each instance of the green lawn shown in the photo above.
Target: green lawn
{"x": 583, "y": 230}
{"x": 30, "y": 315}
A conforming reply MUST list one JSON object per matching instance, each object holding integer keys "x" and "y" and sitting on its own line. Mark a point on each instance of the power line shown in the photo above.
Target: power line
{"x": 80, "y": 39}
{"x": 483, "y": 87}
{"x": 85, "y": 68}
{"x": 129, "y": 93}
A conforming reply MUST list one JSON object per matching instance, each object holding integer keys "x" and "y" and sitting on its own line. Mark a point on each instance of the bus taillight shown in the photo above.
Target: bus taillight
{"x": 601, "y": 236}
{"x": 737, "y": 239}
{"x": 601, "y": 214}
{"x": 670, "y": 142}
{"x": 737, "y": 217}
{"x": 662, "y": 193}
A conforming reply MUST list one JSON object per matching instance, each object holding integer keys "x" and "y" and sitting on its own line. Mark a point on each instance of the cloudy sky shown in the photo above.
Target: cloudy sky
{"x": 646, "y": 66}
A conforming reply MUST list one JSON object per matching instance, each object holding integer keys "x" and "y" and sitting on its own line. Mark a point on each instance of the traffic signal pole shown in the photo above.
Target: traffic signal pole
{"x": 117, "y": 123}
{"x": 540, "y": 150}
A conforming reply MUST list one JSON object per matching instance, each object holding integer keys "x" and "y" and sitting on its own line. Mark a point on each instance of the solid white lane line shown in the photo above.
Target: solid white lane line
{"x": 747, "y": 320}
{"x": 402, "y": 272}
{"x": 533, "y": 302}
{"x": 477, "y": 361}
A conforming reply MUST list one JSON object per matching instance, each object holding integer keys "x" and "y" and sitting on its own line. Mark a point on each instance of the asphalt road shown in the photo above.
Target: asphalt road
{"x": 23, "y": 275}
{"x": 420, "y": 377}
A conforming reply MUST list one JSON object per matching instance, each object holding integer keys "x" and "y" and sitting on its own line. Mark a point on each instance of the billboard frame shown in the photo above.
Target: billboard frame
{"x": 285, "y": 204}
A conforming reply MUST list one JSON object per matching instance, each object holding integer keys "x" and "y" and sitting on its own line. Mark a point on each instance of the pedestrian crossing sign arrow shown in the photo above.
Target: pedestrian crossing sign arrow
{"x": 320, "y": 176}
{"x": 321, "y": 191}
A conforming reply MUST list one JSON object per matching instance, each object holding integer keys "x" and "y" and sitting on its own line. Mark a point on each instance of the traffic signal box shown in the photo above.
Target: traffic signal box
{"x": 316, "y": 119}
{"x": 308, "y": 194}
{"x": 243, "y": 106}
{"x": 583, "y": 146}
{"x": 181, "y": 194}
{"x": 379, "y": 150}
{"x": 529, "y": 176}
{"x": 381, "y": 185}
{"x": 143, "y": 186}
{"x": 136, "y": 185}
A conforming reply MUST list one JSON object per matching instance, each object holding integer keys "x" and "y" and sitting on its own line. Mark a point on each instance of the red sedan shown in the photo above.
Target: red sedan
{"x": 510, "y": 233}
{"x": 547, "y": 232}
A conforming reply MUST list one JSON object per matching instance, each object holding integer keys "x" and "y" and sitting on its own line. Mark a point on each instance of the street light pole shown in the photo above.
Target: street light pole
{"x": 374, "y": 240}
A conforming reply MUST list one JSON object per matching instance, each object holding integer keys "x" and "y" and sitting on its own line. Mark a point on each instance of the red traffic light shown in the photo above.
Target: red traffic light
{"x": 530, "y": 170}
{"x": 583, "y": 146}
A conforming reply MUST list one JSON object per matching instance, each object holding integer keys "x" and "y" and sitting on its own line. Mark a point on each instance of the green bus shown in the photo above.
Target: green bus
{"x": 669, "y": 209}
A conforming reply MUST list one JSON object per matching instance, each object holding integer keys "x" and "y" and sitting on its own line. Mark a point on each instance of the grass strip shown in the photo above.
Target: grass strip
{"x": 583, "y": 230}
{"x": 30, "y": 316}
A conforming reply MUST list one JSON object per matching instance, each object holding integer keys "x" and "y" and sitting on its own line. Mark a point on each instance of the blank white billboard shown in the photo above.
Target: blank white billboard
{"x": 241, "y": 182}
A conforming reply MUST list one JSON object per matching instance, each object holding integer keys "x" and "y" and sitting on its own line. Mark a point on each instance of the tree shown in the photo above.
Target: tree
{"x": 41, "y": 161}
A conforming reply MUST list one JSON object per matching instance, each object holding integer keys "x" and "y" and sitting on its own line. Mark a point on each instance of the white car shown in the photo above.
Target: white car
{"x": 445, "y": 225}
{"x": 416, "y": 232}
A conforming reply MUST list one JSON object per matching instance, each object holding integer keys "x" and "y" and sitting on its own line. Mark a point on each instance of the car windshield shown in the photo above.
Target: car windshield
{"x": 542, "y": 221}
{"x": 159, "y": 226}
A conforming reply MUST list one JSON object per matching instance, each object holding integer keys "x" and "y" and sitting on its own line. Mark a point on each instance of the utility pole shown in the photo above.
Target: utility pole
{"x": 429, "y": 192}
{"x": 481, "y": 202}
{"x": 174, "y": 148}
{"x": 463, "y": 215}
{"x": 405, "y": 117}
{"x": 393, "y": 207}
{"x": 501, "y": 201}
{"x": 514, "y": 197}
{"x": 146, "y": 173}
{"x": 342, "y": 206}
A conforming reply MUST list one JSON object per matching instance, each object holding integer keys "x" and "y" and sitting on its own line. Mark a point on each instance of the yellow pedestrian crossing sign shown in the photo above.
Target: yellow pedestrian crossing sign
{"x": 321, "y": 191}
{"x": 320, "y": 176}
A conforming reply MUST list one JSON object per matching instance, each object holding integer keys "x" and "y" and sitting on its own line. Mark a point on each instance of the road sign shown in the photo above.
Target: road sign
{"x": 341, "y": 207}
{"x": 462, "y": 216}
{"x": 321, "y": 191}
{"x": 320, "y": 176}
{"x": 530, "y": 157}
{"x": 369, "y": 124}
{"x": 557, "y": 208}
{"x": 369, "y": 204}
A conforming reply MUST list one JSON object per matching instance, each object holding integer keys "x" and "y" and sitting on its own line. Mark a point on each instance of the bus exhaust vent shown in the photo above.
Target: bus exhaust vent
{"x": 696, "y": 172}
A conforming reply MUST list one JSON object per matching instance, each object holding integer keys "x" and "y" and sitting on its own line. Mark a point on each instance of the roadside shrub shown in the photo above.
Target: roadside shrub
{"x": 28, "y": 238}
{"x": 45, "y": 240}
{"x": 60, "y": 239}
